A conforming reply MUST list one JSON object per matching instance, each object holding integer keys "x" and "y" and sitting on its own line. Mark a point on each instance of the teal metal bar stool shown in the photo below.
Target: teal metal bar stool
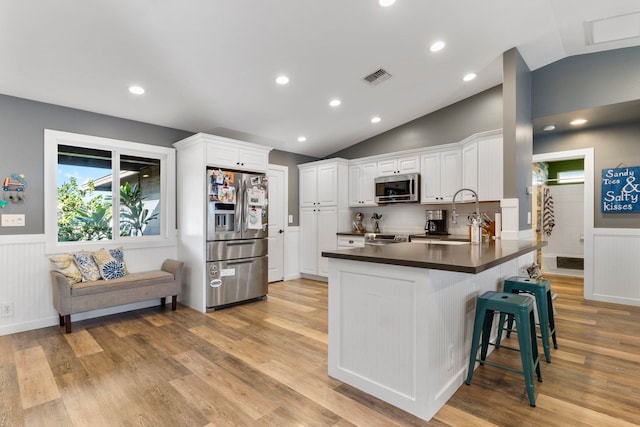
{"x": 520, "y": 308}
{"x": 541, "y": 290}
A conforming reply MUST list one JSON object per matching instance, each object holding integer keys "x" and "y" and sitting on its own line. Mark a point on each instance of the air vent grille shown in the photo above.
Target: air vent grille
{"x": 377, "y": 77}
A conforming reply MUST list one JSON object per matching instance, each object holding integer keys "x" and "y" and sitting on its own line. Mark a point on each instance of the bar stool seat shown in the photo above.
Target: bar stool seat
{"x": 541, "y": 289}
{"x": 520, "y": 308}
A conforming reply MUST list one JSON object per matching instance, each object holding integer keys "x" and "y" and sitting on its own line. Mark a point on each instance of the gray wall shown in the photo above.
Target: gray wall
{"x": 591, "y": 81}
{"x": 479, "y": 113}
{"x": 22, "y": 124}
{"x": 586, "y": 81}
{"x": 517, "y": 132}
{"x": 612, "y": 145}
{"x": 291, "y": 160}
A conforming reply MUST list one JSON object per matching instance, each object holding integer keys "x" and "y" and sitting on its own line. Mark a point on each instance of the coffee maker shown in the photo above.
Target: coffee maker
{"x": 436, "y": 222}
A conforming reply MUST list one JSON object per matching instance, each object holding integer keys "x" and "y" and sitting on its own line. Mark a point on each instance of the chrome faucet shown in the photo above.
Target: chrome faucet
{"x": 454, "y": 215}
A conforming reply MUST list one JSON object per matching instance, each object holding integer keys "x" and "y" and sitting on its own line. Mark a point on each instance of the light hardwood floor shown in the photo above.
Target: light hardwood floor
{"x": 265, "y": 363}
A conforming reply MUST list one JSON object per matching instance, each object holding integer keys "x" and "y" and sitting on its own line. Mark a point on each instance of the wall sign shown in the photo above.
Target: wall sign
{"x": 621, "y": 190}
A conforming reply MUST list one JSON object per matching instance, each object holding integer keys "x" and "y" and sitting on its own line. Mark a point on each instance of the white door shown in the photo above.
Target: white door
{"x": 277, "y": 220}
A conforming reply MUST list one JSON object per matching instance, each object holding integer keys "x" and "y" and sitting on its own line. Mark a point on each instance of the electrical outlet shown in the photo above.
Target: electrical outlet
{"x": 450, "y": 357}
{"x": 7, "y": 309}
{"x": 529, "y": 218}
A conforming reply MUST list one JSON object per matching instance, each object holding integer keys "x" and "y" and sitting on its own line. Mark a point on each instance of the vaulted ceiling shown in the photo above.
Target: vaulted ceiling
{"x": 210, "y": 65}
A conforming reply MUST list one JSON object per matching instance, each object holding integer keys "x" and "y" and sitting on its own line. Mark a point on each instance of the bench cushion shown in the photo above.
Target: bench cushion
{"x": 131, "y": 280}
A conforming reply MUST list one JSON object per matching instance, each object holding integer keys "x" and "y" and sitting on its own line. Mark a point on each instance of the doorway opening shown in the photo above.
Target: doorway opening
{"x": 558, "y": 216}
{"x": 587, "y": 156}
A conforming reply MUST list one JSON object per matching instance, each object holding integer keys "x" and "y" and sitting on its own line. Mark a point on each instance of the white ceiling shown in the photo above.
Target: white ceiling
{"x": 209, "y": 65}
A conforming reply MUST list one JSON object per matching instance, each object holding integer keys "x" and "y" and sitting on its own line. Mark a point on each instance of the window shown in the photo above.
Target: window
{"x": 100, "y": 191}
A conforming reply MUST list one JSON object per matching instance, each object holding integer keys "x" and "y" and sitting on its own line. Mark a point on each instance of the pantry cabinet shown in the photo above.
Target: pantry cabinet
{"x": 441, "y": 175}
{"x": 323, "y": 212}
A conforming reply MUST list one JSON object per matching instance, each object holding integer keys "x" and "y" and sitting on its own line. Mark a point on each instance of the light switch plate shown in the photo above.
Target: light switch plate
{"x": 290, "y": 219}
{"x": 13, "y": 220}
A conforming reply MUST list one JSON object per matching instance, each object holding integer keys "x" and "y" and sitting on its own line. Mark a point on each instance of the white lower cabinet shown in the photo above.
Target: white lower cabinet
{"x": 350, "y": 242}
{"x": 318, "y": 228}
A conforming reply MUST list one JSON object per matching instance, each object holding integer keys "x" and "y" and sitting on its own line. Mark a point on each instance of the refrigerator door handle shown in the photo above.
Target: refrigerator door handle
{"x": 248, "y": 242}
{"x": 245, "y": 208}
{"x": 243, "y": 261}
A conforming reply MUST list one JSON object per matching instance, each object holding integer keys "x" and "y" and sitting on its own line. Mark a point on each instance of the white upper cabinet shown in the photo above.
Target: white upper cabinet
{"x": 361, "y": 184}
{"x": 322, "y": 183}
{"x": 440, "y": 176}
{"x": 399, "y": 165}
{"x": 482, "y": 168}
{"x": 238, "y": 155}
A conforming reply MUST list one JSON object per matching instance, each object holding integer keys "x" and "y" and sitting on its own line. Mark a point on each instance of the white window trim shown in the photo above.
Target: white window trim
{"x": 166, "y": 155}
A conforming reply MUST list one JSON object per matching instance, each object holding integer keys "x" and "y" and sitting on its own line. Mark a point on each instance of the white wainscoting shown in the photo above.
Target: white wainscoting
{"x": 616, "y": 266}
{"x": 292, "y": 254}
{"x": 26, "y": 283}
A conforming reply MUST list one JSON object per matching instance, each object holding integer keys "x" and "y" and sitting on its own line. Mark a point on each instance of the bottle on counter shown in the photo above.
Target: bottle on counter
{"x": 475, "y": 231}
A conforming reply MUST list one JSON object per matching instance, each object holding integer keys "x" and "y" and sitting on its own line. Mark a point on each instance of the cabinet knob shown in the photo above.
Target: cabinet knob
{"x": 350, "y": 241}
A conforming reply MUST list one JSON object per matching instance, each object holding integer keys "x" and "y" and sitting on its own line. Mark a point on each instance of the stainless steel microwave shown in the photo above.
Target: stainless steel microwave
{"x": 398, "y": 188}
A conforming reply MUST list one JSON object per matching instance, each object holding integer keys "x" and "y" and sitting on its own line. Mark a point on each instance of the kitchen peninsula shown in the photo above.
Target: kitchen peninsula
{"x": 401, "y": 315}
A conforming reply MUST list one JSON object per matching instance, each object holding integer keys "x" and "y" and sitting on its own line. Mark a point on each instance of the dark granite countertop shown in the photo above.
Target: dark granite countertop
{"x": 466, "y": 258}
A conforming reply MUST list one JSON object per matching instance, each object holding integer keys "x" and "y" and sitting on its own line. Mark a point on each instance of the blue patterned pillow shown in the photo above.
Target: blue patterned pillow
{"x": 118, "y": 255}
{"x": 87, "y": 266}
{"x": 110, "y": 267}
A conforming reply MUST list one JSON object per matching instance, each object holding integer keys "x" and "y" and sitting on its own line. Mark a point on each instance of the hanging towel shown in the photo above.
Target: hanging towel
{"x": 548, "y": 217}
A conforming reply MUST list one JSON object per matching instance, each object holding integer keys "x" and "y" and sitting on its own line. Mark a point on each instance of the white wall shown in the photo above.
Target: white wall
{"x": 25, "y": 282}
{"x": 567, "y": 237}
{"x": 410, "y": 218}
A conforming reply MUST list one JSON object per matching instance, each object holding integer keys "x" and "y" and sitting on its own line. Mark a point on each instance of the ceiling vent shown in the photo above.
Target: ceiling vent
{"x": 614, "y": 28}
{"x": 377, "y": 77}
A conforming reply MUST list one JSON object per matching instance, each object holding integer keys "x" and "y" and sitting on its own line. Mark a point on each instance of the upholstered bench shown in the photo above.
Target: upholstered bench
{"x": 71, "y": 298}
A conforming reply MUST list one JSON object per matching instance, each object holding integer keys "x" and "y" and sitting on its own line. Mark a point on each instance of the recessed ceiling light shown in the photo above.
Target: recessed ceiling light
{"x": 469, "y": 77}
{"x": 548, "y": 128}
{"x": 136, "y": 90}
{"x": 578, "y": 122}
{"x": 302, "y": 138}
{"x": 437, "y": 46}
{"x": 282, "y": 80}
{"x": 335, "y": 102}
{"x": 375, "y": 119}
{"x": 386, "y": 3}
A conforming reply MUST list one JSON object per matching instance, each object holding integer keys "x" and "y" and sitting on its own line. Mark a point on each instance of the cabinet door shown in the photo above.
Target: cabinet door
{"x": 450, "y": 176}
{"x": 368, "y": 173}
{"x": 355, "y": 199}
{"x": 327, "y": 222}
{"x": 490, "y": 178}
{"x": 222, "y": 156}
{"x": 308, "y": 187}
{"x": 387, "y": 167}
{"x": 410, "y": 164}
{"x": 470, "y": 170}
{"x": 430, "y": 174}
{"x": 327, "y": 185}
{"x": 253, "y": 160}
{"x": 308, "y": 241}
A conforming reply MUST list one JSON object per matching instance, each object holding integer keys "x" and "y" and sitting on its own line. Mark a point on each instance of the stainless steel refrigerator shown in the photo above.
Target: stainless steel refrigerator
{"x": 237, "y": 217}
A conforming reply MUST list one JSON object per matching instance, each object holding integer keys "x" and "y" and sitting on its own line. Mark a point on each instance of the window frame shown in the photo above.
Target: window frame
{"x": 166, "y": 155}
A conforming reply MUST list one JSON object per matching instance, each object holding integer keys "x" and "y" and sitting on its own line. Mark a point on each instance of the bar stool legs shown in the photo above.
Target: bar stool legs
{"x": 541, "y": 289}
{"x": 521, "y": 309}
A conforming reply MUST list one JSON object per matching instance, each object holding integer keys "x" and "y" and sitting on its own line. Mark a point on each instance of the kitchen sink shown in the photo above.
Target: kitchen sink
{"x": 441, "y": 242}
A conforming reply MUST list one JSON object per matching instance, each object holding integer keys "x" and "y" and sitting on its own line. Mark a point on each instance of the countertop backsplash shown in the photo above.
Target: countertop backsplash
{"x": 410, "y": 218}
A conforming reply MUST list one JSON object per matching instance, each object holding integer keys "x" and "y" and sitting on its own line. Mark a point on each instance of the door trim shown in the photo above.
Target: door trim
{"x": 285, "y": 210}
{"x": 589, "y": 163}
